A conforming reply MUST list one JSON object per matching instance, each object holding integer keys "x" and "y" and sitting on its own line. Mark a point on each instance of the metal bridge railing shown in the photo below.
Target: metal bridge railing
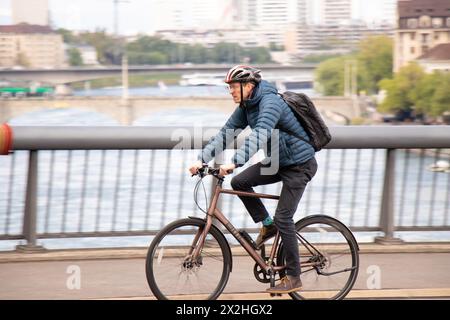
{"x": 63, "y": 182}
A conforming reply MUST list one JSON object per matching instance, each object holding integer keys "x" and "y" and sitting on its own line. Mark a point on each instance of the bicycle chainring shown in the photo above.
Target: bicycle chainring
{"x": 260, "y": 274}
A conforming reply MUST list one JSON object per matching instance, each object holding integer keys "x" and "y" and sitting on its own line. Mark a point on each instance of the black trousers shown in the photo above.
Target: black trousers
{"x": 294, "y": 179}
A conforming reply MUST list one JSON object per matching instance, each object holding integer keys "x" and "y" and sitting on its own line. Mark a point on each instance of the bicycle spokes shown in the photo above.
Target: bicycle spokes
{"x": 174, "y": 272}
{"x": 328, "y": 258}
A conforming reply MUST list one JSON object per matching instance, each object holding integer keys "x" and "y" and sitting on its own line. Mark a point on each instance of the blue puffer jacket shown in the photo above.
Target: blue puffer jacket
{"x": 264, "y": 111}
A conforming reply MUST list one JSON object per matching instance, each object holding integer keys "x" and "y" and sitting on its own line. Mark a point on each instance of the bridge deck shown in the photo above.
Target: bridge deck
{"x": 407, "y": 271}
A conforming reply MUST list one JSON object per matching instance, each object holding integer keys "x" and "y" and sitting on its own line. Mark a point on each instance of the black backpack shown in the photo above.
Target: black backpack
{"x": 310, "y": 119}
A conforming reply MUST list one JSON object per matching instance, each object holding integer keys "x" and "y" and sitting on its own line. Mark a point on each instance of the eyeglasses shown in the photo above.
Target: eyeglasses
{"x": 233, "y": 87}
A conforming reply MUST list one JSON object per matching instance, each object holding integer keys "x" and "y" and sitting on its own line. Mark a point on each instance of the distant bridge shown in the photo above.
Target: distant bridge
{"x": 338, "y": 109}
{"x": 76, "y": 74}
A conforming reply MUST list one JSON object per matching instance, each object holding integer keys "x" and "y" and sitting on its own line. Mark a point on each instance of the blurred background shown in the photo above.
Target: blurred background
{"x": 162, "y": 63}
{"x": 138, "y": 70}
{"x": 354, "y": 48}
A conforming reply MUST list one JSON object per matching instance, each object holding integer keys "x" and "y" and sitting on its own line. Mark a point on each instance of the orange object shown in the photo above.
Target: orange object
{"x": 6, "y": 137}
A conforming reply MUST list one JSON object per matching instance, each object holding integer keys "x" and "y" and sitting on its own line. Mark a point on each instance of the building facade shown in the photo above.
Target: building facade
{"x": 194, "y": 14}
{"x": 326, "y": 39}
{"x": 254, "y": 37}
{"x": 31, "y": 46}
{"x": 336, "y": 11}
{"x": 422, "y": 25}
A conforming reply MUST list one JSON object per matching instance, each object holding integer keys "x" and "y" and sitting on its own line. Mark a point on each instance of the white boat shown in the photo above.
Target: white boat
{"x": 291, "y": 83}
{"x": 202, "y": 79}
{"x": 440, "y": 166}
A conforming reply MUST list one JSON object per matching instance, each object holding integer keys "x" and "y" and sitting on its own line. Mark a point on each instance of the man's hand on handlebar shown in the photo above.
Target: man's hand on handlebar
{"x": 193, "y": 169}
{"x": 226, "y": 169}
{"x": 199, "y": 168}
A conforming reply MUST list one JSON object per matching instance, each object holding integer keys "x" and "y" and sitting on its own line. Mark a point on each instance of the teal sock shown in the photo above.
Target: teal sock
{"x": 267, "y": 221}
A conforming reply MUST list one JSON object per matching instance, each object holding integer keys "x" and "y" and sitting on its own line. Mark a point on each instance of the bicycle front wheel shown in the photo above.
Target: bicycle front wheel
{"x": 329, "y": 258}
{"x": 171, "y": 271}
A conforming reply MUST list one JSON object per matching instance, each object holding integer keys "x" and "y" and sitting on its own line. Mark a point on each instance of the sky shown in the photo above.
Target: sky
{"x": 136, "y": 16}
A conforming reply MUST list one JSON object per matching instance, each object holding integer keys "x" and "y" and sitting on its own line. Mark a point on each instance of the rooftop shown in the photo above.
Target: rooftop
{"x": 417, "y": 8}
{"x": 439, "y": 52}
{"x": 25, "y": 28}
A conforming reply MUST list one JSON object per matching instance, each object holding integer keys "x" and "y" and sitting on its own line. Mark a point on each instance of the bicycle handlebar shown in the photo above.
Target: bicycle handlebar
{"x": 207, "y": 170}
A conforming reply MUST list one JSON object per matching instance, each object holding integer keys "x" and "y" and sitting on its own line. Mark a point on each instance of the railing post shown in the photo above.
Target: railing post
{"x": 387, "y": 222}
{"x": 30, "y": 214}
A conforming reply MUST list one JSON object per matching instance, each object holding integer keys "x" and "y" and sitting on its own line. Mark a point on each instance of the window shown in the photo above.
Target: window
{"x": 437, "y": 22}
{"x": 413, "y": 36}
{"x": 424, "y": 21}
{"x": 436, "y": 36}
{"x": 412, "y": 23}
{"x": 425, "y": 38}
{"x": 448, "y": 22}
{"x": 412, "y": 50}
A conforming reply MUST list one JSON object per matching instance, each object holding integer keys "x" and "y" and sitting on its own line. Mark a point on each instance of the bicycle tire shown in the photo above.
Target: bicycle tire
{"x": 351, "y": 241}
{"x": 199, "y": 223}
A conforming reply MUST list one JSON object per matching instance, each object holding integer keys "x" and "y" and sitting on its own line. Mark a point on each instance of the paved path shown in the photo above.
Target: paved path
{"x": 405, "y": 275}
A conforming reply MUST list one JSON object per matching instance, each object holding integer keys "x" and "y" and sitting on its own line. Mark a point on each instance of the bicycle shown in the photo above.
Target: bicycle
{"x": 191, "y": 258}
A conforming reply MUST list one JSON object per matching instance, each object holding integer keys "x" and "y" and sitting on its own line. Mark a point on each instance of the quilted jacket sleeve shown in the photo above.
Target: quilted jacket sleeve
{"x": 237, "y": 120}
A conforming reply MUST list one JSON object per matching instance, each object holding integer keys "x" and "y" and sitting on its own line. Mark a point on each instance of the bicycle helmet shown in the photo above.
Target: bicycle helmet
{"x": 242, "y": 74}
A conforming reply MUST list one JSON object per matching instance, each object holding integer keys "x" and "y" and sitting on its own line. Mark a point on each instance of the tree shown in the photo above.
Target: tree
{"x": 109, "y": 49}
{"x": 258, "y": 55}
{"x": 374, "y": 61}
{"x": 401, "y": 89}
{"x": 68, "y": 36}
{"x": 154, "y": 57}
{"x": 274, "y": 47}
{"x": 195, "y": 53}
{"x": 440, "y": 101}
{"x": 75, "y": 58}
{"x": 317, "y": 58}
{"x": 426, "y": 89}
{"x": 224, "y": 52}
{"x": 330, "y": 75}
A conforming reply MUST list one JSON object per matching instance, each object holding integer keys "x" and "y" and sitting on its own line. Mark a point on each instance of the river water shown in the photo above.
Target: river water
{"x": 355, "y": 209}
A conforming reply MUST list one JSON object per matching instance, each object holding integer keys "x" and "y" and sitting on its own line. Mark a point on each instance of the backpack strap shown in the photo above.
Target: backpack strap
{"x": 295, "y": 135}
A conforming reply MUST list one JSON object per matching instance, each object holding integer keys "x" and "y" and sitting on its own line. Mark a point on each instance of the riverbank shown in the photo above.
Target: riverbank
{"x": 135, "y": 81}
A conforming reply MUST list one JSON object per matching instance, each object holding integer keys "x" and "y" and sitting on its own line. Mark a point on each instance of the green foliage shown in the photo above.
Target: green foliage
{"x": 440, "y": 100}
{"x": 412, "y": 88}
{"x": 134, "y": 81}
{"x": 68, "y": 36}
{"x": 400, "y": 90}
{"x": 274, "y": 47}
{"x": 317, "y": 58}
{"x": 374, "y": 63}
{"x": 154, "y": 50}
{"x": 75, "y": 58}
{"x": 330, "y": 75}
{"x": 153, "y": 57}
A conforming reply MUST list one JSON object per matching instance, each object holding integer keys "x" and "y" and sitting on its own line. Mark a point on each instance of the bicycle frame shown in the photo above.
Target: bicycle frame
{"x": 214, "y": 212}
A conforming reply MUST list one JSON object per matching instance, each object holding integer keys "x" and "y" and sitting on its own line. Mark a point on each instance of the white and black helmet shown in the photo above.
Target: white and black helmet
{"x": 242, "y": 73}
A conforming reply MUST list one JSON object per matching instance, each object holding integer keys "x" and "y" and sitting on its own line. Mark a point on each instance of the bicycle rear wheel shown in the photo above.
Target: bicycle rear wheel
{"x": 172, "y": 273}
{"x": 329, "y": 258}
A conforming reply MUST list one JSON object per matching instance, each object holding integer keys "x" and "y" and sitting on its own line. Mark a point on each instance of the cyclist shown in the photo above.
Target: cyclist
{"x": 261, "y": 108}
